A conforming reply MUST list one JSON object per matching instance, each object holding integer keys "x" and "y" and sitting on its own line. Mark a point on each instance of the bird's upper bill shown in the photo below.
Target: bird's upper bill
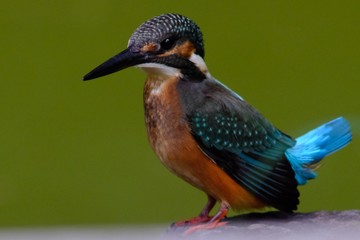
{"x": 169, "y": 43}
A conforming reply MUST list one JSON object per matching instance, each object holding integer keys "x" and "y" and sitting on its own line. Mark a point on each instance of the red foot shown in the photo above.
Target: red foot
{"x": 203, "y": 221}
{"x": 206, "y": 226}
{"x": 192, "y": 221}
{"x": 202, "y": 218}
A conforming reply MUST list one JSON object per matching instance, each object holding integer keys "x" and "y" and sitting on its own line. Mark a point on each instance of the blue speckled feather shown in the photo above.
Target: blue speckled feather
{"x": 252, "y": 155}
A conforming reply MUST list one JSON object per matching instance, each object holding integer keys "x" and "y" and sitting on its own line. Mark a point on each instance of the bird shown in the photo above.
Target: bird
{"x": 208, "y": 135}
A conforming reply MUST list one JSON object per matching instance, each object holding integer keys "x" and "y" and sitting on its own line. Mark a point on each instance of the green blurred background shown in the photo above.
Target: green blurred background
{"x": 74, "y": 152}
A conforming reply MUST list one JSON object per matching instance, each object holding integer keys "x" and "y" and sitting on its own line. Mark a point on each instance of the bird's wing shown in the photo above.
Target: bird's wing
{"x": 247, "y": 147}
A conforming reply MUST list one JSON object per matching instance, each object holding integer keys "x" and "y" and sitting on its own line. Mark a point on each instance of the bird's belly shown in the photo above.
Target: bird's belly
{"x": 170, "y": 138}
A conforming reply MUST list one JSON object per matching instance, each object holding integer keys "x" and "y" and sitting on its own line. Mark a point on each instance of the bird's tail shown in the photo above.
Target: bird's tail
{"x": 313, "y": 146}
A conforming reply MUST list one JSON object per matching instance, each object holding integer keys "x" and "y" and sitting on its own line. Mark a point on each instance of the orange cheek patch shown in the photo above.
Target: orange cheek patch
{"x": 184, "y": 50}
{"x": 150, "y": 47}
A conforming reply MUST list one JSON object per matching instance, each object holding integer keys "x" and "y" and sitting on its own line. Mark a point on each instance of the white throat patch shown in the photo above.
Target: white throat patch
{"x": 159, "y": 69}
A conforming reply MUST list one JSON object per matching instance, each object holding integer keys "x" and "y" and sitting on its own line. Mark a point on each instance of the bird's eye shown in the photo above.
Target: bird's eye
{"x": 168, "y": 43}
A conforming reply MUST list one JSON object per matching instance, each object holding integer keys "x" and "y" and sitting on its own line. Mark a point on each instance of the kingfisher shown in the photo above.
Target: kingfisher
{"x": 208, "y": 135}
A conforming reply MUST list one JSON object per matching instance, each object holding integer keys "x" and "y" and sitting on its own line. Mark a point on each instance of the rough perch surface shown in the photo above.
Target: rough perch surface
{"x": 276, "y": 225}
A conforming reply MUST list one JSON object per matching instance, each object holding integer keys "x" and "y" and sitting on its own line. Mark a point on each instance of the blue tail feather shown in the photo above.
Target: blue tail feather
{"x": 313, "y": 146}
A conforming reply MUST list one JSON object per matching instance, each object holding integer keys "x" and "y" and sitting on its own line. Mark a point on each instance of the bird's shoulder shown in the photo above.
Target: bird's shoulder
{"x": 223, "y": 119}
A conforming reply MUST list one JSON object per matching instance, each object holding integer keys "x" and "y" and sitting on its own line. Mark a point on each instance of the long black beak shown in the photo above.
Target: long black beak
{"x": 123, "y": 60}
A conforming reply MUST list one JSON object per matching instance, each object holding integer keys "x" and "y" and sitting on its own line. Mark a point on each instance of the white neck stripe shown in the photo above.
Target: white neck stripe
{"x": 200, "y": 63}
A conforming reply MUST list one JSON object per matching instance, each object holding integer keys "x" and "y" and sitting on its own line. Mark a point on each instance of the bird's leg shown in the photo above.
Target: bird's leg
{"x": 202, "y": 217}
{"x": 214, "y": 221}
{"x": 208, "y": 207}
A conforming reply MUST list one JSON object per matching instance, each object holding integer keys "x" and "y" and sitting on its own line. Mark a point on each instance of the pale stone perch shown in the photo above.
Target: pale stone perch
{"x": 327, "y": 225}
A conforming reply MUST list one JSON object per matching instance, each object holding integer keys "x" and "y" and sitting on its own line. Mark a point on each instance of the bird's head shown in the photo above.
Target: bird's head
{"x": 169, "y": 44}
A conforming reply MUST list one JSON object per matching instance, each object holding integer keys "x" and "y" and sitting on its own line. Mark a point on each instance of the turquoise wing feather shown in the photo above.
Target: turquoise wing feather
{"x": 248, "y": 148}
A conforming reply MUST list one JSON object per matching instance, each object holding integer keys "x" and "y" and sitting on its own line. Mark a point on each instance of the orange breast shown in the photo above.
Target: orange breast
{"x": 170, "y": 137}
